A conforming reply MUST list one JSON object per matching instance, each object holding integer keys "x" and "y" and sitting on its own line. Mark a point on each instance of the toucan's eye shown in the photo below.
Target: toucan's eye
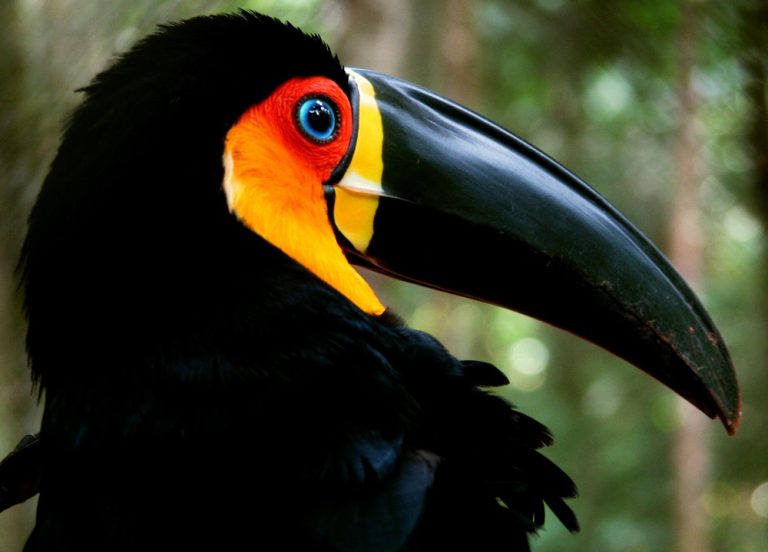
{"x": 317, "y": 119}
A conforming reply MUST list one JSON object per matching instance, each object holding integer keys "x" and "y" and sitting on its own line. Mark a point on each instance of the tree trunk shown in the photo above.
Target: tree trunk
{"x": 375, "y": 34}
{"x": 459, "y": 52}
{"x": 691, "y": 454}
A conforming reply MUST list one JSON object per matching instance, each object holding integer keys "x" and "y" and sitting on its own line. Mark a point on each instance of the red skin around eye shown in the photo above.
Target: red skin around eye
{"x": 281, "y": 108}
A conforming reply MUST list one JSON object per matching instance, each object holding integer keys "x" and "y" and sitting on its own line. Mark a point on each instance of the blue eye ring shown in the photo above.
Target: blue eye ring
{"x": 317, "y": 117}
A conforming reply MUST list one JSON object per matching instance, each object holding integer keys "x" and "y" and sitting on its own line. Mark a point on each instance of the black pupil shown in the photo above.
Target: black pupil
{"x": 319, "y": 117}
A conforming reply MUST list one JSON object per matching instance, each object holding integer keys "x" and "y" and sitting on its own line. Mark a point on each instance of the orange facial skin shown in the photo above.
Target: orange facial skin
{"x": 274, "y": 175}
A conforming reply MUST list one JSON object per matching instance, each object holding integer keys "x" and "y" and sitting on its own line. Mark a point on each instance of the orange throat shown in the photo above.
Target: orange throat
{"x": 280, "y": 197}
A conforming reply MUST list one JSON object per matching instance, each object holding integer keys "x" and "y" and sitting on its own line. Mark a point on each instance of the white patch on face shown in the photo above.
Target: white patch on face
{"x": 229, "y": 184}
{"x": 354, "y": 182}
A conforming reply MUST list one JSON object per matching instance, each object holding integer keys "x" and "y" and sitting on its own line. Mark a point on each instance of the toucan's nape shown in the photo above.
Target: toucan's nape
{"x": 217, "y": 375}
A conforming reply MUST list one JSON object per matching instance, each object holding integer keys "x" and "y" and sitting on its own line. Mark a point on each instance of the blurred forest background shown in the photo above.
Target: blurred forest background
{"x": 660, "y": 105}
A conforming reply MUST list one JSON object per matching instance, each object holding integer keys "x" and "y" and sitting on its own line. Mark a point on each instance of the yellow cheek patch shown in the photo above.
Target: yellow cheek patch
{"x": 279, "y": 195}
{"x": 357, "y": 194}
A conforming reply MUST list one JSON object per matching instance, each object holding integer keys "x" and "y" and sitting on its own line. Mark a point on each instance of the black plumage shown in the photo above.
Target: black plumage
{"x": 205, "y": 391}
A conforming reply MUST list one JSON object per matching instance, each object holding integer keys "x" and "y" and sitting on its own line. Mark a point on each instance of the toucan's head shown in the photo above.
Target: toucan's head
{"x": 220, "y": 144}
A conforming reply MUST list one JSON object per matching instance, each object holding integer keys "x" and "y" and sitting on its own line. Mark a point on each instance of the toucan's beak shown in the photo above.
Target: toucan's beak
{"x": 432, "y": 193}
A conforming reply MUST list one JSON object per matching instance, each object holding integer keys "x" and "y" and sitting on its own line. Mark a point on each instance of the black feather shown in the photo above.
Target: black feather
{"x": 20, "y": 472}
{"x": 203, "y": 391}
{"x": 483, "y": 373}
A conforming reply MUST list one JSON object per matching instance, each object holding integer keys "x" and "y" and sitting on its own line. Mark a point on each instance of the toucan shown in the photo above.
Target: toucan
{"x": 217, "y": 374}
